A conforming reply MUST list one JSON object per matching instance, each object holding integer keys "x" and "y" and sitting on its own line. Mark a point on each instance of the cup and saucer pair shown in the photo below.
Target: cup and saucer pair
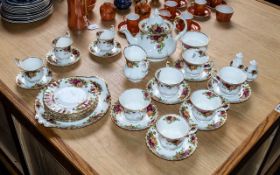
{"x": 63, "y": 54}
{"x": 231, "y": 84}
{"x": 134, "y": 110}
{"x": 34, "y": 74}
{"x": 206, "y": 109}
{"x": 172, "y": 137}
{"x": 168, "y": 86}
{"x": 105, "y": 46}
{"x": 195, "y": 65}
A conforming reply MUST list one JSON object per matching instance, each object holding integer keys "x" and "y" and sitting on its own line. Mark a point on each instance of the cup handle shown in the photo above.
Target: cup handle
{"x": 147, "y": 63}
{"x": 209, "y": 65}
{"x": 193, "y": 129}
{"x": 225, "y": 106}
{"x": 180, "y": 34}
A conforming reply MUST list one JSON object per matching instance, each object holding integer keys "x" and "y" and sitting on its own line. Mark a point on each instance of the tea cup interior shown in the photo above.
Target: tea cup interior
{"x": 169, "y": 76}
{"x": 186, "y": 15}
{"x": 232, "y": 75}
{"x": 31, "y": 64}
{"x": 132, "y": 16}
{"x": 200, "y": 2}
{"x": 170, "y": 3}
{"x": 195, "y": 39}
{"x": 134, "y": 99}
{"x": 193, "y": 56}
{"x": 206, "y": 100}
{"x": 134, "y": 53}
{"x": 64, "y": 41}
{"x": 172, "y": 126}
{"x": 224, "y": 9}
{"x": 164, "y": 13}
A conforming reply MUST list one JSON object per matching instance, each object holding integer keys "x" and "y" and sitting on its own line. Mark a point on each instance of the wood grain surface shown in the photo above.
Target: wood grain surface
{"x": 103, "y": 148}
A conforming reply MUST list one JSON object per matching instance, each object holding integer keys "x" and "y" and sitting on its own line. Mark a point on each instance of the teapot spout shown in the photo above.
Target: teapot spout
{"x": 131, "y": 39}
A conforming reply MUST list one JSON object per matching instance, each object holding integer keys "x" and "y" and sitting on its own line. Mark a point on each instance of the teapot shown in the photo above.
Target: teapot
{"x": 155, "y": 37}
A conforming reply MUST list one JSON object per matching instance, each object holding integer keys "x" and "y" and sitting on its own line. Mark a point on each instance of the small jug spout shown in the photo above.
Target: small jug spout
{"x": 131, "y": 39}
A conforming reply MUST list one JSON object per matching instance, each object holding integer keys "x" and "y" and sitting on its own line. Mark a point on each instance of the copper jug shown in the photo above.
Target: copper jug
{"x": 77, "y": 14}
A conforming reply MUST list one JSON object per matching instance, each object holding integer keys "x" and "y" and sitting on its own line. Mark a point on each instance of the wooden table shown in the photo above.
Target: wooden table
{"x": 103, "y": 148}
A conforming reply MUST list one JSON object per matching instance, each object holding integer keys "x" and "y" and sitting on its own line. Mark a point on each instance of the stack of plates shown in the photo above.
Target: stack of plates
{"x": 25, "y": 11}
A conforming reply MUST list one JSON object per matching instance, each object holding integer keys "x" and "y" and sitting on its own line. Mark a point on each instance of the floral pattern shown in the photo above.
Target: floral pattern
{"x": 77, "y": 82}
{"x": 209, "y": 95}
{"x": 152, "y": 140}
{"x": 170, "y": 119}
{"x": 183, "y": 153}
{"x": 132, "y": 64}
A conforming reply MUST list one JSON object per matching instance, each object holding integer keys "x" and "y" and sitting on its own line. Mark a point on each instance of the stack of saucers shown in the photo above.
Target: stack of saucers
{"x": 25, "y": 11}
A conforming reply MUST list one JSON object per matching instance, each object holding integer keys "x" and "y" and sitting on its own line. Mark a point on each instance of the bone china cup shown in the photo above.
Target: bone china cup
{"x": 173, "y": 129}
{"x": 169, "y": 80}
{"x": 132, "y": 20}
{"x": 195, "y": 40}
{"x": 134, "y": 102}
{"x": 195, "y": 62}
{"x": 230, "y": 80}
{"x": 199, "y": 7}
{"x": 105, "y": 40}
{"x": 224, "y": 13}
{"x": 206, "y": 103}
{"x": 32, "y": 68}
{"x": 62, "y": 47}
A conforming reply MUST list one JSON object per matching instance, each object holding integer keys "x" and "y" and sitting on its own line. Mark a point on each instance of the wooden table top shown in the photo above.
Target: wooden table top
{"x": 103, "y": 148}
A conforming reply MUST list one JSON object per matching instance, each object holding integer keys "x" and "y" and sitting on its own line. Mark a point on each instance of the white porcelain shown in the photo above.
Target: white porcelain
{"x": 32, "y": 68}
{"x": 74, "y": 58}
{"x": 134, "y": 102}
{"x": 137, "y": 65}
{"x": 195, "y": 61}
{"x": 118, "y": 117}
{"x": 62, "y": 47}
{"x": 243, "y": 95}
{"x": 195, "y": 40}
{"x": 231, "y": 79}
{"x": 206, "y": 104}
{"x": 238, "y": 61}
{"x": 169, "y": 80}
{"x": 105, "y": 39}
{"x": 218, "y": 120}
{"x": 183, "y": 93}
{"x": 165, "y": 13}
{"x": 201, "y": 2}
{"x": 22, "y": 82}
{"x": 173, "y": 130}
{"x": 95, "y": 50}
{"x": 252, "y": 70}
{"x": 224, "y": 9}
{"x": 103, "y": 104}
{"x": 155, "y": 37}
{"x": 186, "y": 15}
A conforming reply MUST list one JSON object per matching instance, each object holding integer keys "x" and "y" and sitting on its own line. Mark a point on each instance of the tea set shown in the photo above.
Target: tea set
{"x": 79, "y": 101}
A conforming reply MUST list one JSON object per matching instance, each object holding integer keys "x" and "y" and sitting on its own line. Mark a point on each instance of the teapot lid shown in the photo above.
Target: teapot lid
{"x": 155, "y": 22}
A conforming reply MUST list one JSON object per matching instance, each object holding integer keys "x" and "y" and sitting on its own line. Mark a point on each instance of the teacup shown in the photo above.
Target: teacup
{"x": 173, "y": 130}
{"x": 230, "y": 80}
{"x": 171, "y": 6}
{"x": 169, "y": 80}
{"x": 132, "y": 20}
{"x": 224, "y": 13}
{"x": 165, "y": 14}
{"x": 105, "y": 40}
{"x": 134, "y": 102}
{"x": 199, "y": 7}
{"x": 137, "y": 65}
{"x": 62, "y": 47}
{"x": 196, "y": 62}
{"x": 195, "y": 40}
{"x": 32, "y": 68}
{"x": 206, "y": 103}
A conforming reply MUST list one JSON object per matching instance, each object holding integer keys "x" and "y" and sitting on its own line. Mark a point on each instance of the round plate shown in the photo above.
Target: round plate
{"x": 104, "y": 101}
{"x": 184, "y": 93}
{"x": 187, "y": 149}
{"x": 218, "y": 120}
{"x": 93, "y": 49}
{"x": 25, "y": 84}
{"x": 117, "y": 116}
{"x": 242, "y": 96}
{"x": 75, "y": 57}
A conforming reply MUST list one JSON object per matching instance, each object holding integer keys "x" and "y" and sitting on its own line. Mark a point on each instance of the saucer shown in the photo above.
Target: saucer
{"x": 93, "y": 49}
{"x": 117, "y": 116}
{"x": 184, "y": 93}
{"x": 207, "y": 12}
{"x": 195, "y": 26}
{"x": 187, "y": 148}
{"x": 75, "y": 57}
{"x": 213, "y": 8}
{"x": 216, "y": 122}
{"x": 183, "y": 4}
{"x": 242, "y": 96}
{"x": 205, "y": 75}
{"x": 25, "y": 84}
{"x": 103, "y": 104}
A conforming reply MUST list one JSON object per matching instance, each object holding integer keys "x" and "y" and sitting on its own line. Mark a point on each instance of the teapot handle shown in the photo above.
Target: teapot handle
{"x": 180, "y": 34}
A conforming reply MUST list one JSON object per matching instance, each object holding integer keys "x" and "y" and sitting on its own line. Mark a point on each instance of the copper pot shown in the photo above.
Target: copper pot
{"x": 143, "y": 9}
{"x": 107, "y": 11}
